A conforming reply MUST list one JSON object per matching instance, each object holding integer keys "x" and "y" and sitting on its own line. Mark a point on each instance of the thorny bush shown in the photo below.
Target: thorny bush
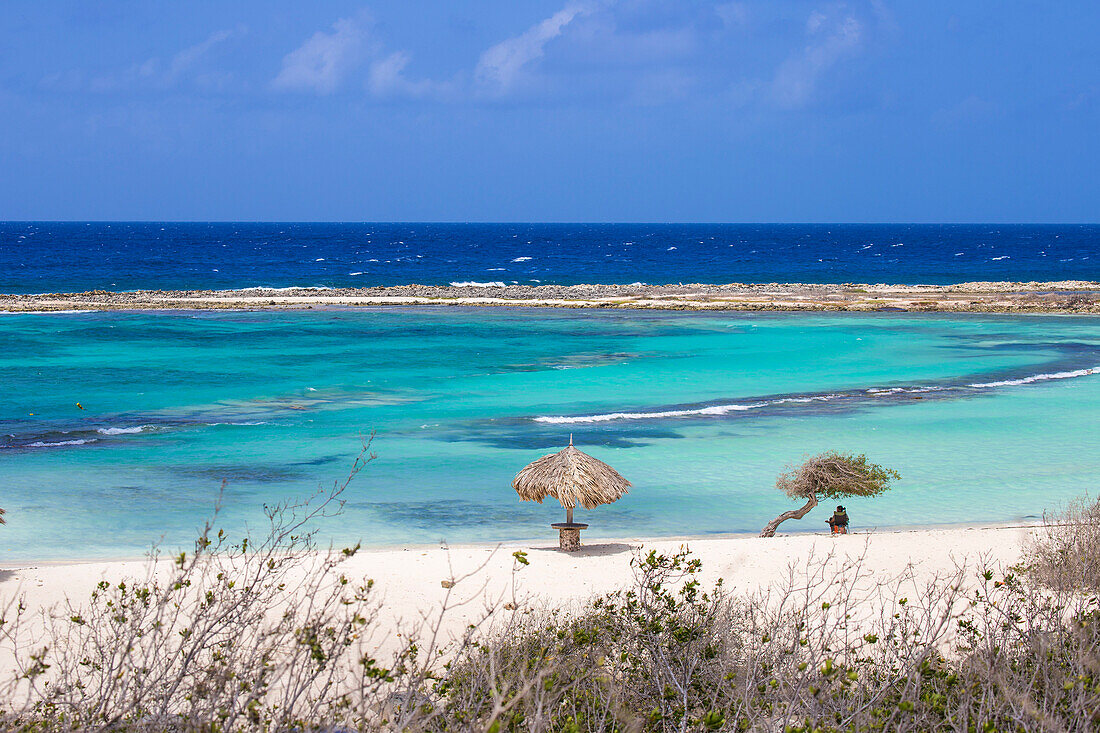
{"x": 270, "y": 634}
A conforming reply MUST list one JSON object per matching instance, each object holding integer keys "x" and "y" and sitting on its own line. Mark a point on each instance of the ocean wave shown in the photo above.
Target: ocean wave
{"x": 473, "y": 284}
{"x": 44, "y": 444}
{"x": 886, "y": 391}
{"x": 269, "y": 289}
{"x": 125, "y": 431}
{"x": 47, "y": 313}
{"x": 853, "y": 397}
{"x": 1040, "y": 378}
{"x": 709, "y": 411}
{"x": 523, "y": 259}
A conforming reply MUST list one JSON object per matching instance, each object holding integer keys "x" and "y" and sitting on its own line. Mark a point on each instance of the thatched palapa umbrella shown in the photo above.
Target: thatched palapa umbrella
{"x": 571, "y": 477}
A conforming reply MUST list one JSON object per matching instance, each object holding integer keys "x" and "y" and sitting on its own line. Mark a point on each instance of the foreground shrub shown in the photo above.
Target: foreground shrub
{"x": 268, "y": 634}
{"x": 1066, "y": 553}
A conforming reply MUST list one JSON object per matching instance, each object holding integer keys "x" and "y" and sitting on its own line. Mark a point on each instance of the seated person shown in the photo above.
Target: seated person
{"x": 839, "y": 521}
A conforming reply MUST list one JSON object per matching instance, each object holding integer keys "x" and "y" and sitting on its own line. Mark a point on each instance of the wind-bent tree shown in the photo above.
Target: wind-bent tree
{"x": 829, "y": 475}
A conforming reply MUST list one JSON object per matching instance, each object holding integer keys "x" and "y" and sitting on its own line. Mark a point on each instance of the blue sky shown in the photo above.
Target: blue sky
{"x": 532, "y": 110}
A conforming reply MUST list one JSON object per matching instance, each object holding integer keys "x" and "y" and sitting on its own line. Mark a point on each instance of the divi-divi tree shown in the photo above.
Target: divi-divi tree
{"x": 829, "y": 475}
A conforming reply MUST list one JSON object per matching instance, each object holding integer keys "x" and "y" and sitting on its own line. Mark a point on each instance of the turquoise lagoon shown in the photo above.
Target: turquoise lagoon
{"x": 988, "y": 418}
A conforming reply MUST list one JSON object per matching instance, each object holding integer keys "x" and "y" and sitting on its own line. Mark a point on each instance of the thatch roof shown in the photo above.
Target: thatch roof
{"x": 571, "y": 477}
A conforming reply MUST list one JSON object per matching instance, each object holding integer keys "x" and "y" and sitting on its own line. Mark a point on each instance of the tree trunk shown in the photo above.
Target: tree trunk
{"x": 769, "y": 531}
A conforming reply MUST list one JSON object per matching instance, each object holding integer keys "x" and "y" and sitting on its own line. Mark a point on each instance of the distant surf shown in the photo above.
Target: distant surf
{"x": 850, "y": 397}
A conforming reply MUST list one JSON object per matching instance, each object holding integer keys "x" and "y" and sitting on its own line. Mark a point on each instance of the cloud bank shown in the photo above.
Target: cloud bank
{"x": 500, "y": 66}
{"x": 831, "y": 38}
{"x": 320, "y": 64}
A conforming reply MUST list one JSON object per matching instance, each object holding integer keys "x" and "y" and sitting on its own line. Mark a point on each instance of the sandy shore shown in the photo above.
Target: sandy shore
{"x": 1071, "y": 296}
{"x": 411, "y": 581}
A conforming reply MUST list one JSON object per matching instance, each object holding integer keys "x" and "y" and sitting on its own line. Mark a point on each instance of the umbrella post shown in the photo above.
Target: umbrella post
{"x": 569, "y": 515}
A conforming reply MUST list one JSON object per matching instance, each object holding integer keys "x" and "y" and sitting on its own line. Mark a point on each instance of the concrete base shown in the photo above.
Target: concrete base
{"x": 569, "y": 535}
{"x": 570, "y": 540}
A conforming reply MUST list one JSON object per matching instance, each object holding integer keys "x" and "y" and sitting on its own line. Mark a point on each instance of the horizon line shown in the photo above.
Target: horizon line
{"x": 549, "y": 222}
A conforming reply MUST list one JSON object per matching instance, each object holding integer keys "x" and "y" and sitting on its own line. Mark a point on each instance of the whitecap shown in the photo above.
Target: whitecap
{"x": 608, "y": 417}
{"x": 473, "y": 284}
{"x": 124, "y": 431}
{"x": 1039, "y": 378}
{"x": 41, "y": 444}
{"x": 268, "y": 289}
{"x": 1002, "y": 257}
{"x": 54, "y": 313}
{"x": 522, "y": 259}
{"x": 355, "y": 273}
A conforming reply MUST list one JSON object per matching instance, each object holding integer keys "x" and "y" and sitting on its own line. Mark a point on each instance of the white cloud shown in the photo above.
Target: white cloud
{"x": 831, "y": 39}
{"x": 387, "y": 75}
{"x": 187, "y": 58}
{"x": 387, "y": 79}
{"x": 319, "y": 64}
{"x": 152, "y": 73}
{"x": 501, "y": 66}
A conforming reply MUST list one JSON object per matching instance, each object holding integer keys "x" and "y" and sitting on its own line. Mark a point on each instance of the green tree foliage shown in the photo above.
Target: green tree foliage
{"x": 829, "y": 475}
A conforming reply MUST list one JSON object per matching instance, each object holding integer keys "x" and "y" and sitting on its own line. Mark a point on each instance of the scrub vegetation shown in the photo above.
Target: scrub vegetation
{"x": 270, "y": 634}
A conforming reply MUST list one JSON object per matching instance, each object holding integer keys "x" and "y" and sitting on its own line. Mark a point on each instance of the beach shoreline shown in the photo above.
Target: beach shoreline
{"x": 594, "y": 540}
{"x": 1067, "y": 296}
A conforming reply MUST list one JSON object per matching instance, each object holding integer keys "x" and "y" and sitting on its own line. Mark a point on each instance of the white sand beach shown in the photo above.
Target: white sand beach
{"x": 410, "y": 581}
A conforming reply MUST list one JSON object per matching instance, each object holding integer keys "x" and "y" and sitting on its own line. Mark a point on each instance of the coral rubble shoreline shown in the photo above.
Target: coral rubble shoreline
{"x": 1067, "y": 296}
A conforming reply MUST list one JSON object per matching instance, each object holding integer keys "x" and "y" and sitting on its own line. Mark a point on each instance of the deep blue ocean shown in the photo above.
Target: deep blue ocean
{"x": 75, "y": 256}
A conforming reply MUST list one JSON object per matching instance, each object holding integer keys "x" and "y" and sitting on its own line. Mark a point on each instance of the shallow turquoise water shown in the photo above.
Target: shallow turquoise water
{"x": 699, "y": 411}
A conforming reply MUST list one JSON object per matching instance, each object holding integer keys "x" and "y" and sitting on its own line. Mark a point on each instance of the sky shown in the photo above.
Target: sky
{"x": 550, "y": 110}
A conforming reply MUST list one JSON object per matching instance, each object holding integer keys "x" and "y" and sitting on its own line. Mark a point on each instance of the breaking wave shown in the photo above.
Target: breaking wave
{"x": 845, "y": 398}
{"x": 269, "y": 289}
{"x": 1041, "y": 378}
{"x": 125, "y": 431}
{"x": 687, "y": 412}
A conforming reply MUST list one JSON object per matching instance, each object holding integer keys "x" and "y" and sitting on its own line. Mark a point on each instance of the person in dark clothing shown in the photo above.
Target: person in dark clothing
{"x": 839, "y": 521}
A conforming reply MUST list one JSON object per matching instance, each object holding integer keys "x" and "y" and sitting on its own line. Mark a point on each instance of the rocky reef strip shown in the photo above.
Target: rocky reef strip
{"x": 1071, "y": 296}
